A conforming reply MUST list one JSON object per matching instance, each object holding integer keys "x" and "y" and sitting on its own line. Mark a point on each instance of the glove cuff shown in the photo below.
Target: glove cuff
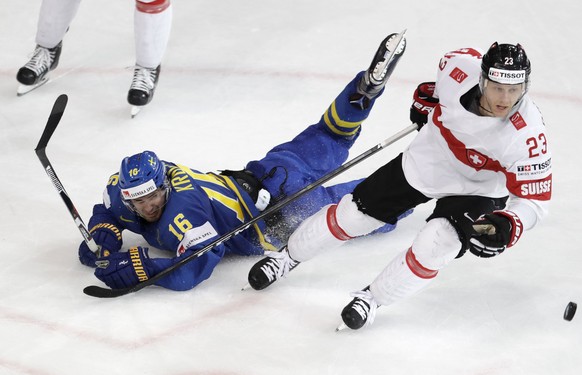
{"x": 140, "y": 261}
{"x": 516, "y": 225}
{"x": 426, "y": 92}
{"x": 107, "y": 235}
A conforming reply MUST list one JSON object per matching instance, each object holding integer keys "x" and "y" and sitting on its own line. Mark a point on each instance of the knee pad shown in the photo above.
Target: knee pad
{"x": 352, "y": 221}
{"x": 436, "y": 244}
{"x": 329, "y": 228}
{"x": 152, "y": 6}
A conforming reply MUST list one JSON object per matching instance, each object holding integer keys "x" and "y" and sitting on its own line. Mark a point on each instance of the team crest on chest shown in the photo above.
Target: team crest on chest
{"x": 476, "y": 159}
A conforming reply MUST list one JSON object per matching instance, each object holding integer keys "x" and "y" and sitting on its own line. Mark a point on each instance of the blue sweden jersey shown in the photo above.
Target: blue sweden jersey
{"x": 203, "y": 206}
{"x": 200, "y": 208}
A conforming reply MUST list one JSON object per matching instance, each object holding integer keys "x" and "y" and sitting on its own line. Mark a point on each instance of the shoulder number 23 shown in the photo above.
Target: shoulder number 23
{"x": 537, "y": 145}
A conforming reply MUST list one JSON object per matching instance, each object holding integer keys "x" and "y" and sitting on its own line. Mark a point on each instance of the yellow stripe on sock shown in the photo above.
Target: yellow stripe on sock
{"x": 337, "y": 121}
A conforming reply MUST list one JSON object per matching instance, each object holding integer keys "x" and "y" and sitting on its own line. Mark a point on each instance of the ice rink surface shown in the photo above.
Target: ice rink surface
{"x": 238, "y": 78}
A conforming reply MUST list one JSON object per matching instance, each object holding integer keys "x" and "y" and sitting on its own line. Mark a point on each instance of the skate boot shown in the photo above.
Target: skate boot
{"x": 142, "y": 87}
{"x": 34, "y": 73}
{"x": 360, "y": 312}
{"x": 385, "y": 60}
{"x": 270, "y": 269}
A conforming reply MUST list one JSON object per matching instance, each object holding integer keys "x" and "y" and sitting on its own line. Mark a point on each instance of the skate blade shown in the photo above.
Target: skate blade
{"x": 25, "y": 89}
{"x": 135, "y": 110}
{"x": 341, "y": 327}
{"x": 394, "y": 46}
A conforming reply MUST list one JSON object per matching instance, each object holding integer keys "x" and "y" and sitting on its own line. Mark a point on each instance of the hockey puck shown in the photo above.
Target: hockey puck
{"x": 570, "y": 311}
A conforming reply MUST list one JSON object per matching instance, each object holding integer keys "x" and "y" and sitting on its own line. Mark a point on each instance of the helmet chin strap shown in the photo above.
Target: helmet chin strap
{"x": 484, "y": 111}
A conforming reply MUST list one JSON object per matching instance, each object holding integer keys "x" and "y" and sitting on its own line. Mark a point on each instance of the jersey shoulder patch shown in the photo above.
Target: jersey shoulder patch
{"x": 196, "y": 236}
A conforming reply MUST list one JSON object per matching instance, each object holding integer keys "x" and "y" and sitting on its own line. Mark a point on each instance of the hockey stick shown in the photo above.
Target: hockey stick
{"x": 100, "y": 292}
{"x": 51, "y": 125}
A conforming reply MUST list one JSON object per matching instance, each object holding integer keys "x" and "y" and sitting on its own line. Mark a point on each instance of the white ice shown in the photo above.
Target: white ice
{"x": 238, "y": 78}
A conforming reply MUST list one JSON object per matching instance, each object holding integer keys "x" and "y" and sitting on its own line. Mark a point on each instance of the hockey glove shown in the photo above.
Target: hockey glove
{"x": 423, "y": 102}
{"x": 107, "y": 236}
{"x": 126, "y": 269}
{"x": 494, "y": 232}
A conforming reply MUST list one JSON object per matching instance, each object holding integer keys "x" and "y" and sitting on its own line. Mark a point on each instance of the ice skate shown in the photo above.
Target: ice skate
{"x": 35, "y": 73}
{"x": 270, "y": 269}
{"x": 385, "y": 60}
{"x": 359, "y": 312}
{"x": 142, "y": 87}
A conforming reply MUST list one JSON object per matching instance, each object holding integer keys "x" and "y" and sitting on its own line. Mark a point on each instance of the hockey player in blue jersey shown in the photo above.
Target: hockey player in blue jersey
{"x": 180, "y": 210}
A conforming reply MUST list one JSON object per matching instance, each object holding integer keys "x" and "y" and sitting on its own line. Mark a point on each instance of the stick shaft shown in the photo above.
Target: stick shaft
{"x": 100, "y": 292}
{"x": 51, "y": 125}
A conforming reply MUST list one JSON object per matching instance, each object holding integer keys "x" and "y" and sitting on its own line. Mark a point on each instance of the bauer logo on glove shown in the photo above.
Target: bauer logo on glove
{"x": 423, "y": 101}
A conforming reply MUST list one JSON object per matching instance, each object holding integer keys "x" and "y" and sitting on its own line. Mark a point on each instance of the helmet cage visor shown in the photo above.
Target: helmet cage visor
{"x": 147, "y": 190}
{"x": 518, "y": 79}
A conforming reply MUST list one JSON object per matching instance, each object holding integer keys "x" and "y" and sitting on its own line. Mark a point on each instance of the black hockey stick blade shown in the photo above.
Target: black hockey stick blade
{"x": 100, "y": 292}
{"x": 53, "y": 121}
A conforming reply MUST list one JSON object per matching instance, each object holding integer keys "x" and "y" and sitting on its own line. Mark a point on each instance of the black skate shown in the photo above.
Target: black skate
{"x": 270, "y": 269}
{"x": 360, "y": 312}
{"x": 142, "y": 87}
{"x": 385, "y": 60}
{"x": 35, "y": 73}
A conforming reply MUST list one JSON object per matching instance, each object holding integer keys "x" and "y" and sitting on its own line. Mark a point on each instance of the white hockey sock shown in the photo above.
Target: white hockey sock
{"x": 434, "y": 247}
{"x": 152, "y": 25}
{"x": 313, "y": 237}
{"x": 403, "y": 277}
{"x": 54, "y": 20}
{"x": 329, "y": 228}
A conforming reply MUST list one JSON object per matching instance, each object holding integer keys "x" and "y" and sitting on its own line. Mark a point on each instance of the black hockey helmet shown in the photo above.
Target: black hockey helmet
{"x": 506, "y": 64}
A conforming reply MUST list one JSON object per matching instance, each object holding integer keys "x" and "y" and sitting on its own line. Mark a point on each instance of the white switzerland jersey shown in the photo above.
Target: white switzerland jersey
{"x": 460, "y": 153}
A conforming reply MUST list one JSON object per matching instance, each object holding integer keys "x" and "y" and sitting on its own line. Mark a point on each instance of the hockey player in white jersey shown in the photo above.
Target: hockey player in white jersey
{"x": 482, "y": 152}
{"x": 152, "y": 24}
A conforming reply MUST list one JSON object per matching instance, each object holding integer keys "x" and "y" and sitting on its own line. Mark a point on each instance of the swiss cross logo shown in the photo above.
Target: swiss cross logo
{"x": 518, "y": 121}
{"x": 476, "y": 159}
{"x": 458, "y": 75}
